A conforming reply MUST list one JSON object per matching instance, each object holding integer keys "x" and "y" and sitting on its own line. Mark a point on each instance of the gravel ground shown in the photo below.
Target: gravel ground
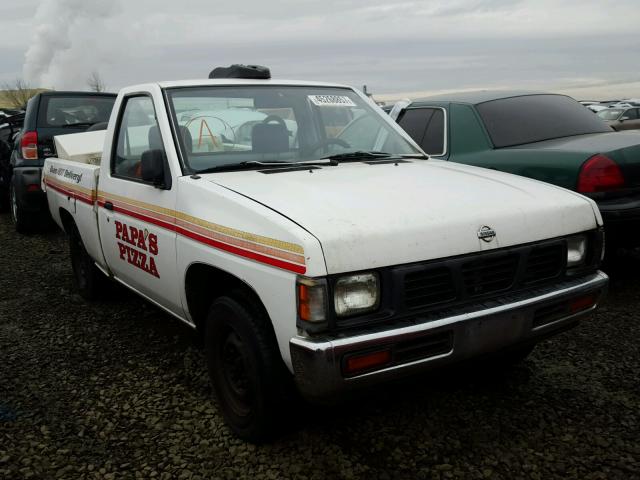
{"x": 118, "y": 390}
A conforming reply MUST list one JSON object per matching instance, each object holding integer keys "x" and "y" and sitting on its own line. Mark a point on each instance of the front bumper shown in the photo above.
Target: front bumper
{"x": 318, "y": 364}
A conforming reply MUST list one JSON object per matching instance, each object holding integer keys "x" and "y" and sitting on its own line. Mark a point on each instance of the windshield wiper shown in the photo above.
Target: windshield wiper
{"x": 256, "y": 163}
{"x": 357, "y": 155}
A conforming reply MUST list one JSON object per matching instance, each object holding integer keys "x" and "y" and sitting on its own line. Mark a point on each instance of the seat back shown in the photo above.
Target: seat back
{"x": 155, "y": 140}
{"x": 269, "y": 138}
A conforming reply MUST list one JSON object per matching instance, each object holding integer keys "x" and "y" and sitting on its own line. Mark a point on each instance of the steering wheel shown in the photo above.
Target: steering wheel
{"x": 328, "y": 141}
{"x": 274, "y": 118}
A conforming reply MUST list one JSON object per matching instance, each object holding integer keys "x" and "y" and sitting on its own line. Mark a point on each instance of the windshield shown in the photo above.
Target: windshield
{"x": 226, "y": 126}
{"x": 610, "y": 113}
{"x": 535, "y": 118}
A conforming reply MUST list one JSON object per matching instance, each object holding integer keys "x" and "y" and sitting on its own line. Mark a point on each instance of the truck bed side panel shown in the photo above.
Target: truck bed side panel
{"x": 72, "y": 186}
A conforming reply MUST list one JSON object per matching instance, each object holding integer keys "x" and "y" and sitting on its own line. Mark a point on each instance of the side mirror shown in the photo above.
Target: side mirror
{"x": 622, "y": 119}
{"x": 152, "y": 164}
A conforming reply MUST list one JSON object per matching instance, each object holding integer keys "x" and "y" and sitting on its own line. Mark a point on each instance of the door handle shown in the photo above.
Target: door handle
{"x": 108, "y": 205}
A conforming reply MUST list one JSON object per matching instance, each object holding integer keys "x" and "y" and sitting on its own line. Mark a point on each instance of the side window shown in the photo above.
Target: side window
{"x": 426, "y": 127}
{"x": 433, "y": 141}
{"x": 633, "y": 114}
{"x": 138, "y": 132}
{"x": 414, "y": 121}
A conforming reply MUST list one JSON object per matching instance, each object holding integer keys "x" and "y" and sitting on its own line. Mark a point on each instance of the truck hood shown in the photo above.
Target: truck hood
{"x": 368, "y": 216}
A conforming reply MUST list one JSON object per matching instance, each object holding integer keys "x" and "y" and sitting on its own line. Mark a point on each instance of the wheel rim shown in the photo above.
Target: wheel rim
{"x": 235, "y": 374}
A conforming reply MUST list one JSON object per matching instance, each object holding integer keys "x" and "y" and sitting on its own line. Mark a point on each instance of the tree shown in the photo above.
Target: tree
{"x": 17, "y": 93}
{"x": 95, "y": 82}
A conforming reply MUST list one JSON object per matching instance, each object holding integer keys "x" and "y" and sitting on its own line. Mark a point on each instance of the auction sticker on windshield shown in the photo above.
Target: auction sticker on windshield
{"x": 331, "y": 101}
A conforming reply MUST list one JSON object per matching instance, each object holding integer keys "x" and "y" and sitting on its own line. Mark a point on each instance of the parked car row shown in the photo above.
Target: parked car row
{"x": 547, "y": 137}
{"x": 618, "y": 114}
{"x": 622, "y": 117}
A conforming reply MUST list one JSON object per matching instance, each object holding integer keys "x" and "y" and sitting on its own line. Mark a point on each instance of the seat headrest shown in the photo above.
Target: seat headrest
{"x": 187, "y": 139}
{"x": 269, "y": 138}
{"x": 155, "y": 140}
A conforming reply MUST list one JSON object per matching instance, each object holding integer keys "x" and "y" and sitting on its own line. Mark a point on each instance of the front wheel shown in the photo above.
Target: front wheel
{"x": 246, "y": 371}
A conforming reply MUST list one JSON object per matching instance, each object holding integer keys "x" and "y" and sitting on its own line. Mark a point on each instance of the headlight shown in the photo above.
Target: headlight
{"x": 356, "y": 294}
{"x": 576, "y": 250}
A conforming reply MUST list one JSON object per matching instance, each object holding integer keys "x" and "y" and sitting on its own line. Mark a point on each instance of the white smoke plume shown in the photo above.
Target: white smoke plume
{"x": 71, "y": 39}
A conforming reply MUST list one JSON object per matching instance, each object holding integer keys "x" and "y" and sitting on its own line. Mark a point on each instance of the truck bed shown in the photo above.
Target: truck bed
{"x": 73, "y": 186}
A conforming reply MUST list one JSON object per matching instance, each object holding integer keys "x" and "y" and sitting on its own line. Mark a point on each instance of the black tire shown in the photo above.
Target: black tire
{"x": 21, "y": 221}
{"x": 87, "y": 278}
{"x": 248, "y": 376}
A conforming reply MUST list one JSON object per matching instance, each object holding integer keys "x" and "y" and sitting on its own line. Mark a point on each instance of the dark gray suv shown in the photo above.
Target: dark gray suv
{"x": 48, "y": 114}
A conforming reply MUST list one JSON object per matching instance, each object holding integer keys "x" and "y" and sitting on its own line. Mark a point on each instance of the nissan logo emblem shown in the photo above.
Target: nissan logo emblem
{"x": 486, "y": 234}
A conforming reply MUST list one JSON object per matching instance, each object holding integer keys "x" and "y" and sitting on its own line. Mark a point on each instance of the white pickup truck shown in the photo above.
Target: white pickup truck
{"x": 312, "y": 243}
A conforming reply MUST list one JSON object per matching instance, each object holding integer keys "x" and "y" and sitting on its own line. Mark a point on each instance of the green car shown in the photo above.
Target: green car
{"x": 548, "y": 137}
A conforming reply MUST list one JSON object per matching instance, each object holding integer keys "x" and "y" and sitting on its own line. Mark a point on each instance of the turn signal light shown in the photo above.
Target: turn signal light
{"x": 582, "y": 303}
{"x": 312, "y": 300}
{"x": 366, "y": 361}
{"x": 29, "y": 145}
{"x": 599, "y": 174}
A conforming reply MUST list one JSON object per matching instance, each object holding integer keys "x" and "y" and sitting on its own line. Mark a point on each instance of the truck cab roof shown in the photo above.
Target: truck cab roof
{"x": 229, "y": 82}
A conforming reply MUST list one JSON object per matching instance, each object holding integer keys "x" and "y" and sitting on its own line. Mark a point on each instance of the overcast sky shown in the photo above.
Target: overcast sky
{"x": 585, "y": 47}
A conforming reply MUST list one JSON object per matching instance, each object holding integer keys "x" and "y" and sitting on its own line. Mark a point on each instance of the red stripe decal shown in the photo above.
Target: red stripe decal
{"x": 139, "y": 216}
{"x": 78, "y": 196}
{"x": 171, "y": 226}
{"x": 208, "y": 241}
{"x": 244, "y": 253}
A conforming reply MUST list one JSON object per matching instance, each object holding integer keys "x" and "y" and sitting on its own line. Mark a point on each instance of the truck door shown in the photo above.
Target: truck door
{"x": 136, "y": 218}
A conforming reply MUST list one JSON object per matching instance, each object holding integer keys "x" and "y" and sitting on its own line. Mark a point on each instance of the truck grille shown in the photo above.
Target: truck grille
{"x": 544, "y": 263}
{"x": 473, "y": 276}
{"x": 429, "y": 287}
{"x": 488, "y": 275}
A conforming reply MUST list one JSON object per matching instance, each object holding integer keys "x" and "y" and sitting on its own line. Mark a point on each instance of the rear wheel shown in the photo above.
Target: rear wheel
{"x": 20, "y": 220}
{"x": 88, "y": 279}
{"x": 248, "y": 376}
